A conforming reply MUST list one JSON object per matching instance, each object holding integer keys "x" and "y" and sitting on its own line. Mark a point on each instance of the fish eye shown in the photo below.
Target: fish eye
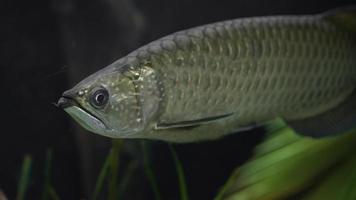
{"x": 99, "y": 98}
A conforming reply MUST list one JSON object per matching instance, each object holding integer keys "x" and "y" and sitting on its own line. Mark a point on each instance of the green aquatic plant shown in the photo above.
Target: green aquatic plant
{"x": 109, "y": 170}
{"x": 183, "y": 191}
{"x": 125, "y": 180}
{"x": 180, "y": 173}
{"x": 287, "y": 164}
{"x": 102, "y": 175}
{"x": 151, "y": 177}
{"x": 47, "y": 186}
{"x": 284, "y": 165}
{"x": 114, "y": 168}
{"x": 24, "y": 178}
{"x": 48, "y": 190}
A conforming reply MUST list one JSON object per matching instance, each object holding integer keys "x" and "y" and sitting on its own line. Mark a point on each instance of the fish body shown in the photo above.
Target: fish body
{"x": 212, "y": 80}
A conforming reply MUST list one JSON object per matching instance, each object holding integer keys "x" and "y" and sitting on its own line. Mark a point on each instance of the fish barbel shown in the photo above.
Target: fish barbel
{"x": 212, "y": 80}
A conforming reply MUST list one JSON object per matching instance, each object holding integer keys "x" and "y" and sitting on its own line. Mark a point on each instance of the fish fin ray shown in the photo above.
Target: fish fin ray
{"x": 344, "y": 17}
{"x": 190, "y": 123}
{"x": 335, "y": 121}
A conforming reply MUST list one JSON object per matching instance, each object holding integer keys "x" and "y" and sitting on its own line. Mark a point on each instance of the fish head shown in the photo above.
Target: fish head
{"x": 109, "y": 103}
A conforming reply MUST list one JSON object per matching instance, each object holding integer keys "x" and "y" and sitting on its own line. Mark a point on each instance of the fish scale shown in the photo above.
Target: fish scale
{"x": 249, "y": 49}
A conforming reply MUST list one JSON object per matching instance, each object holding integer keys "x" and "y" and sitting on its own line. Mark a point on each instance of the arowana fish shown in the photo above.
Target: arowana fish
{"x": 212, "y": 80}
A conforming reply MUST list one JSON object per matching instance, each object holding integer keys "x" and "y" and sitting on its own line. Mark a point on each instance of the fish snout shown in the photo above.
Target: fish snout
{"x": 70, "y": 94}
{"x": 67, "y": 99}
{"x": 64, "y": 102}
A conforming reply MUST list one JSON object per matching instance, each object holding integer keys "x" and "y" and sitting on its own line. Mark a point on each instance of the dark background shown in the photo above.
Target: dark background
{"x": 46, "y": 46}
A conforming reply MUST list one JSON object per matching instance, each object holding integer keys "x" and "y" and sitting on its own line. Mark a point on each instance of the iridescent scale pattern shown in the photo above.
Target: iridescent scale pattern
{"x": 255, "y": 68}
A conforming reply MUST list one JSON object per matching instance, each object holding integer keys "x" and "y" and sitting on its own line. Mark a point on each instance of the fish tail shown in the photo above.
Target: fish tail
{"x": 344, "y": 17}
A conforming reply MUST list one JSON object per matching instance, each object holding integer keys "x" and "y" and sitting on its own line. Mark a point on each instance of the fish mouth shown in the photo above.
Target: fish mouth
{"x": 65, "y": 102}
{"x": 68, "y": 102}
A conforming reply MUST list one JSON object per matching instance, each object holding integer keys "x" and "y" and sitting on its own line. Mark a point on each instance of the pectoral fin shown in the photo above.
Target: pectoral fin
{"x": 335, "y": 121}
{"x": 190, "y": 123}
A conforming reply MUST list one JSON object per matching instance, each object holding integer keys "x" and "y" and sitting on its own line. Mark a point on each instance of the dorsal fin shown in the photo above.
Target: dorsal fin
{"x": 191, "y": 123}
{"x": 344, "y": 17}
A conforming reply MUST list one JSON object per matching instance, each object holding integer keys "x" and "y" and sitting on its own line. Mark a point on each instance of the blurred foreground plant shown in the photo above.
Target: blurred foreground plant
{"x": 110, "y": 171}
{"x": 286, "y": 165}
{"x": 24, "y": 178}
{"x": 108, "y": 176}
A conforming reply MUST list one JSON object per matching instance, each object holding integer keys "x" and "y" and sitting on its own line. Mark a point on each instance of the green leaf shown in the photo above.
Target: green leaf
{"x": 102, "y": 175}
{"x": 338, "y": 184}
{"x": 227, "y": 185}
{"x": 180, "y": 172}
{"x": 126, "y": 179}
{"x": 25, "y": 177}
{"x": 149, "y": 172}
{"x": 114, "y": 167}
{"x": 286, "y": 164}
{"x": 53, "y": 194}
{"x": 47, "y": 181}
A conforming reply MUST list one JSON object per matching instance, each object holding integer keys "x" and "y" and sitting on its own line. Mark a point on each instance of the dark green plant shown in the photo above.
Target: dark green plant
{"x": 287, "y": 164}
{"x": 114, "y": 168}
{"x": 109, "y": 170}
{"x": 24, "y": 178}
{"x": 149, "y": 172}
{"x": 101, "y": 178}
{"x": 181, "y": 178}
